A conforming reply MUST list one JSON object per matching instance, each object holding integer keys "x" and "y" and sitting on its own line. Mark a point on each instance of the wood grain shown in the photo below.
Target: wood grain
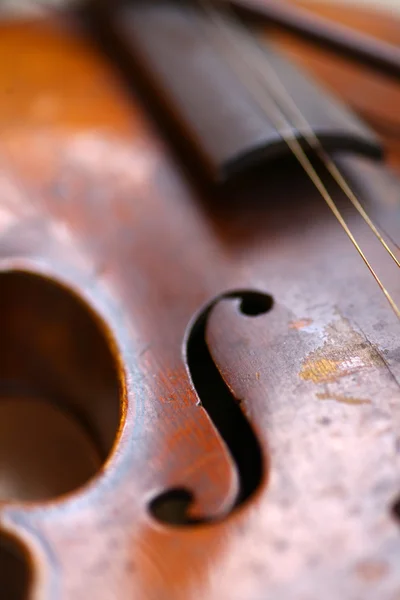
{"x": 92, "y": 197}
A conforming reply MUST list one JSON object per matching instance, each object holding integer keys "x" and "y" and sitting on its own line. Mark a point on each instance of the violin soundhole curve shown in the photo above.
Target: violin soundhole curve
{"x": 173, "y": 506}
{"x": 15, "y": 571}
{"x": 59, "y": 390}
{"x": 395, "y": 510}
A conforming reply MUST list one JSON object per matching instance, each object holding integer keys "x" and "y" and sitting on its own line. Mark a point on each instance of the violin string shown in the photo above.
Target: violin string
{"x": 283, "y": 125}
{"x": 299, "y": 122}
{"x": 392, "y": 240}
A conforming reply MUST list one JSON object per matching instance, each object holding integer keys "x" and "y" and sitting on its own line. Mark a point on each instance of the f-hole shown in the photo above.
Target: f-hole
{"x": 224, "y": 410}
{"x": 59, "y": 389}
{"x": 15, "y": 570}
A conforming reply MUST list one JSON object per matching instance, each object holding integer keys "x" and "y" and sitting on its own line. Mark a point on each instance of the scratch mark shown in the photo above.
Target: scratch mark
{"x": 145, "y": 350}
{"x": 343, "y": 399}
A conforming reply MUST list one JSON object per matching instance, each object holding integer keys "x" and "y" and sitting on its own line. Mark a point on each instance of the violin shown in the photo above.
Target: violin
{"x": 199, "y": 302}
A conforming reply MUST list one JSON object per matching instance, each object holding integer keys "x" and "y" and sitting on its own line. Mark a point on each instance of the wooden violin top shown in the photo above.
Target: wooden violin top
{"x": 229, "y": 371}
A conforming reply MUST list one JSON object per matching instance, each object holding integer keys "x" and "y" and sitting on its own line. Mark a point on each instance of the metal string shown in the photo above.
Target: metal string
{"x": 297, "y": 119}
{"x": 227, "y": 24}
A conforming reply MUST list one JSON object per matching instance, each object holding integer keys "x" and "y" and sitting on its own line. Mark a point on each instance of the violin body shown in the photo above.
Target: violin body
{"x": 230, "y": 366}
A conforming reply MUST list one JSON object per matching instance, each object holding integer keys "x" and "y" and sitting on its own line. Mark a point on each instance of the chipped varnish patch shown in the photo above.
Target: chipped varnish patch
{"x": 300, "y": 324}
{"x": 344, "y": 353}
{"x": 371, "y": 570}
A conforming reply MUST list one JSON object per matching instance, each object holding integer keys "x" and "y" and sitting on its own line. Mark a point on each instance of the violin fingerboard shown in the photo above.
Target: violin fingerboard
{"x": 175, "y": 49}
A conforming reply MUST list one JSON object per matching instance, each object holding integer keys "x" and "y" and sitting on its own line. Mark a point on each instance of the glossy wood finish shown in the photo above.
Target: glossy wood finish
{"x": 93, "y": 198}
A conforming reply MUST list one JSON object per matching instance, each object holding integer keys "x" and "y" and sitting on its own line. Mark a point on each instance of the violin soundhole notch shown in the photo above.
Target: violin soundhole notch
{"x": 255, "y": 304}
{"x": 172, "y": 507}
{"x": 59, "y": 390}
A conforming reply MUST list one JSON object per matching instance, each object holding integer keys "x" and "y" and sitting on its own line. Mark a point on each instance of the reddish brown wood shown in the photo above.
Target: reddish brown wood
{"x": 92, "y": 199}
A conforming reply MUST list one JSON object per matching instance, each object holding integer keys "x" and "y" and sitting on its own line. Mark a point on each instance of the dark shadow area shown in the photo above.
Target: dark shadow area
{"x": 255, "y": 304}
{"x": 172, "y": 507}
{"x": 15, "y": 572}
{"x": 396, "y": 510}
{"x": 59, "y": 389}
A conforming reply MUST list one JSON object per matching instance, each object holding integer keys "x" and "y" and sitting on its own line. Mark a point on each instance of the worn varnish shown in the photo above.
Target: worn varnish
{"x": 149, "y": 306}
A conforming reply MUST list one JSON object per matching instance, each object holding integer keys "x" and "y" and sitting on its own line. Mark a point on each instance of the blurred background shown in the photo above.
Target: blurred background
{"x": 382, "y": 4}
{"x": 37, "y": 6}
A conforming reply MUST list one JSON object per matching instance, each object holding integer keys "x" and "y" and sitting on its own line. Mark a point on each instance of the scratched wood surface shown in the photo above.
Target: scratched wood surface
{"x": 94, "y": 203}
